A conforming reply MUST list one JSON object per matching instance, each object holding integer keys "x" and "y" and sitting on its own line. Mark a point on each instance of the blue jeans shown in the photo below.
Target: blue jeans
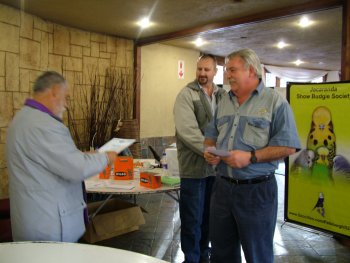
{"x": 243, "y": 215}
{"x": 194, "y": 214}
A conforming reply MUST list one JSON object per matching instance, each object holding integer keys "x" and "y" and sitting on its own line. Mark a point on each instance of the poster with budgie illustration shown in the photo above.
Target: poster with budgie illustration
{"x": 318, "y": 176}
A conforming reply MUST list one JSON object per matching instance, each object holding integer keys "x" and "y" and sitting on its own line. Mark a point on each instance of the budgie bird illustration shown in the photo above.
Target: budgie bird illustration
{"x": 319, "y": 206}
{"x": 322, "y": 153}
{"x": 303, "y": 161}
{"x": 341, "y": 164}
{"x": 321, "y": 166}
{"x": 322, "y": 135}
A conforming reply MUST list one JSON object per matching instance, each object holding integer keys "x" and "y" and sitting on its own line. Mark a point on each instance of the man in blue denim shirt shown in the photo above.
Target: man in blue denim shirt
{"x": 256, "y": 127}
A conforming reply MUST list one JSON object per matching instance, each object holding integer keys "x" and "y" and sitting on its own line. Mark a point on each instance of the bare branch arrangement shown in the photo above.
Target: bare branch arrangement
{"x": 96, "y": 108}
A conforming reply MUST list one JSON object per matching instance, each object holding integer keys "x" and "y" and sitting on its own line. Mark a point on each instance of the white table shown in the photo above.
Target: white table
{"x": 122, "y": 187}
{"x": 56, "y": 252}
{"x": 112, "y": 187}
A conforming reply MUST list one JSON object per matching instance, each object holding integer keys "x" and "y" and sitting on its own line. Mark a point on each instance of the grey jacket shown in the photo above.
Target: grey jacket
{"x": 192, "y": 113}
{"x": 46, "y": 172}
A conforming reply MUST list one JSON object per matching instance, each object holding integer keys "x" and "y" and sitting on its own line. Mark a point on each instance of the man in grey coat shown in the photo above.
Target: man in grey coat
{"x": 193, "y": 110}
{"x": 46, "y": 170}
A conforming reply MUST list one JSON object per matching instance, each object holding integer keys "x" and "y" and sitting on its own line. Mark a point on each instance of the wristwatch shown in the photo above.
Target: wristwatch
{"x": 253, "y": 158}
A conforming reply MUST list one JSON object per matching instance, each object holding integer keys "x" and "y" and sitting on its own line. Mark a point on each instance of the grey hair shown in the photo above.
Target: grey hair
{"x": 47, "y": 80}
{"x": 250, "y": 59}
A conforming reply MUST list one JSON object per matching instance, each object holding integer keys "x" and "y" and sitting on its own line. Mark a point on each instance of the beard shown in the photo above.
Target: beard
{"x": 202, "y": 80}
{"x": 61, "y": 112}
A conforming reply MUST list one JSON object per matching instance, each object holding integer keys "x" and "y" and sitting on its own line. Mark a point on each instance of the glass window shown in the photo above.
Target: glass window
{"x": 219, "y": 77}
{"x": 270, "y": 80}
{"x": 283, "y": 83}
{"x": 317, "y": 80}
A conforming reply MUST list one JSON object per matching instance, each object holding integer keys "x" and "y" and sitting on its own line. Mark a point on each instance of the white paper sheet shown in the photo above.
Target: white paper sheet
{"x": 116, "y": 145}
{"x": 106, "y": 183}
{"x": 221, "y": 153}
{"x": 119, "y": 185}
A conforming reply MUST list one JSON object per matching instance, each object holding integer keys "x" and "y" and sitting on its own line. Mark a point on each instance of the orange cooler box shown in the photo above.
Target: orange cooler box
{"x": 124, "y": 168}
{"x": 150, "y": 180}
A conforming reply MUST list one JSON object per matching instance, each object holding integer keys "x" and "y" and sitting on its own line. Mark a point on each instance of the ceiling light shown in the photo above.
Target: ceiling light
{"x": 305, "y": 22}
{"x": 144, "y": 22}
{"x": 298, "y": 62}
{"x": 199, "y": 42}
{"x": 281, "y": 44}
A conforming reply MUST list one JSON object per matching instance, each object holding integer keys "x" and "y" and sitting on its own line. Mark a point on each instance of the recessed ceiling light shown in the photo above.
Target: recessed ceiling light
{"x": 281, "y": 44}
{"x": 199, "y": 42}
{"x": 305, "y": 22}
{"x": 298, "y": 62}
{"x": 144, "y": 22}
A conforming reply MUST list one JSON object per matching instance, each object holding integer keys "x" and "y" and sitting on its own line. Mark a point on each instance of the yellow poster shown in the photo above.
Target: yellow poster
{"x": 318, "y": 176}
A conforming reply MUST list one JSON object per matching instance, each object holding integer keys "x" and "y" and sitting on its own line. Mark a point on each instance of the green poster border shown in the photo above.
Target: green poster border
{"x": 287, "y": 160}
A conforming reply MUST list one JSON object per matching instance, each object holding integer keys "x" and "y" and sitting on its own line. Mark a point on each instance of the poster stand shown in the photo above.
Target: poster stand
{"x": 317, "y": 187}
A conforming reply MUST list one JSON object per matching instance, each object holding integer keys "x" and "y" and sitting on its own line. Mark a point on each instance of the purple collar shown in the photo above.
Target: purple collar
{"x": 37, "y": 105}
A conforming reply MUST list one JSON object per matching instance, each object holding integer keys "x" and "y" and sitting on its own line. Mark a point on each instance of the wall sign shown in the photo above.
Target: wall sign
{"x": 318, "y": 176}
{"x": 181, "y": 69}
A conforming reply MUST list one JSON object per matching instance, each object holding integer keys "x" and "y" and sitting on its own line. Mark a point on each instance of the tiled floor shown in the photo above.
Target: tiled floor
{"x": 160, "y": 236}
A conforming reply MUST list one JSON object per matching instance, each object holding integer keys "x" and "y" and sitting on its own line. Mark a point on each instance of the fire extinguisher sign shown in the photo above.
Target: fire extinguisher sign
{"x": 181, "y": 69}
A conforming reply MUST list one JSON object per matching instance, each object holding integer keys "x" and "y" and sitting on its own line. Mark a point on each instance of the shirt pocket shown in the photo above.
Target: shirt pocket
{"x": 223, "y": 131}
{"x": 72, "y": 220}
{"x": 256, "y": 132}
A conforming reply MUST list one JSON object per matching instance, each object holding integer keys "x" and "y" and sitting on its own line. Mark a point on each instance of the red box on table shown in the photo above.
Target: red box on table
{"x": 105, "y": 174}
{"x": 150, "y": 180}
{"x": 124, "y": 168}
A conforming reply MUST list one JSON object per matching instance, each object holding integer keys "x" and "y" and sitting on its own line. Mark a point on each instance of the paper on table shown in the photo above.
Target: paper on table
{"x": 93, "y": 184}
{"x": 221, "y": 153}
{"x": 90, "y": 184}
{"x": 119, "y": 185}
{"x": 116, "y": 145}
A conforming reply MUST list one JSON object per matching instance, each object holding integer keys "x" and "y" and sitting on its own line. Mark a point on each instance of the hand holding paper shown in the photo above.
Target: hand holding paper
{"x": 221, "y": 153}
{"x": 210, "y": 156}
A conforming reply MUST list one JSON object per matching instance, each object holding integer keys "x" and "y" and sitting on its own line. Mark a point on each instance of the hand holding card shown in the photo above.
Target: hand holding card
{"x": 221, "y": 153}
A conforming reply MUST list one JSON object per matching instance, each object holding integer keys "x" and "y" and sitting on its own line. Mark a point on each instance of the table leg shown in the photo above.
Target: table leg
{"x": 177, "y": 197}
{"x": 100, "y": 207}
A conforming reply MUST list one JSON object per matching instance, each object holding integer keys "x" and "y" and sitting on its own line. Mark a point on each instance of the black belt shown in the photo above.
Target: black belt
{"x": 255, "y": 180}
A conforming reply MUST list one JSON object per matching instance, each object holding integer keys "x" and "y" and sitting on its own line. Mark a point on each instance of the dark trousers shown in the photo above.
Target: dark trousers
{"x": 243, "y": 215}
{"x": 194, "y": 215}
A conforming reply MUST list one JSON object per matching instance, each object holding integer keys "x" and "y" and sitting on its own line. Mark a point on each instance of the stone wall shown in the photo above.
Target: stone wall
{"x": 30, "y": 45}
